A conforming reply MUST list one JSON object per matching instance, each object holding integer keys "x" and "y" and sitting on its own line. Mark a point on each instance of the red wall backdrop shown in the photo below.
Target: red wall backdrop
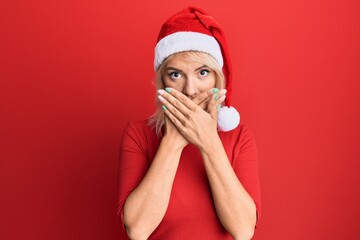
{"x": 72, "y": 73}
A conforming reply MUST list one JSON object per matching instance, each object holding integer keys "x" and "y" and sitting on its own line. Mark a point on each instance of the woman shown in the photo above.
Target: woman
{"x": 191, "y": 171}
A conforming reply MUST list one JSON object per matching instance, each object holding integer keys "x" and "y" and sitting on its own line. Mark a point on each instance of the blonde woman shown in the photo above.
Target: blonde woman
{"x": 190, "y": 172}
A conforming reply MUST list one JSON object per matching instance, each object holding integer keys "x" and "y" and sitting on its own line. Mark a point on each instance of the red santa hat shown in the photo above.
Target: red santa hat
{"x": 194, "y": 30}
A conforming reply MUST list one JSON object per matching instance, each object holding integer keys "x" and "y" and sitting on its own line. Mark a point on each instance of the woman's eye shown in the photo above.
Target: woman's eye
{"x": 175, "y": 75}
{"x": 204, "y": 72}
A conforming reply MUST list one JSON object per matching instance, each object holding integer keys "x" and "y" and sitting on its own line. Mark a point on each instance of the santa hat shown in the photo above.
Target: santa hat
{"x": 194, "y": 30}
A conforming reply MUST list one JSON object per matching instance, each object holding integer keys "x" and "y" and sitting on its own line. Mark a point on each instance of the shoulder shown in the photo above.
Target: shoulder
{"x": 237, "y": 141}
{"x": 241, "y": 133}
{"x": 139, "y": 132}
{"x": 139, "y": 127}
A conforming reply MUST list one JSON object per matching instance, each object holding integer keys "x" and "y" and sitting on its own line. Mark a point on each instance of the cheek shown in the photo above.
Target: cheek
{"x": 219, "y": 84}
{"x": 209, "y": 83}
{"x": 178, "y": 85}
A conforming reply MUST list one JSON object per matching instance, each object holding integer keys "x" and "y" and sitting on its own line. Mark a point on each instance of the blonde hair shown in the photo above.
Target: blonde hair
{"x": 157, "y": 119}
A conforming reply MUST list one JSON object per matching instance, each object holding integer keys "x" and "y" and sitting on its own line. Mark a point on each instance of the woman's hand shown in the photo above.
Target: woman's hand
{"x": 196, "y": 125}
{"x": 173, "y": 135}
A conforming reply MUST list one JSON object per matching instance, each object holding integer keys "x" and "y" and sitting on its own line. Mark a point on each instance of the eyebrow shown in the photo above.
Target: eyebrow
{"x": 201, "y": 67}
{"x": 172, "y": 68}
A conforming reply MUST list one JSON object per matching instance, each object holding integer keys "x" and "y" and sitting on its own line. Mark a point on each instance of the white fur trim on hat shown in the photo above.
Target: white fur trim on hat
{"x": 186, "y": 41}
{"x": 228, "y": 119}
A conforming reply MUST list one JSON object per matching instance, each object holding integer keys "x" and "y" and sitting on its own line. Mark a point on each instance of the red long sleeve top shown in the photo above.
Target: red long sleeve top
{"x": 191, "y": 212}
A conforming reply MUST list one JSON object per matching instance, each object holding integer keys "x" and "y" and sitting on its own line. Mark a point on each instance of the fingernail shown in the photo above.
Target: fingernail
{"x": 218, "y": 107}
{"x": 161, "y": 92}
{"x": 161, "y": 99}
{"x": 168, "y": 89}
{"x": 223, "y": 91}
{"x": 222, "y": 98}
{"x": 214, "y": 90}
{"x": 216, "y": 96}
{"x": 164, "y": 108}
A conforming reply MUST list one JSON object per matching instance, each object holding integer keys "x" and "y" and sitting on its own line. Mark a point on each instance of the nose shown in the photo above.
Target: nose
{"x": 190, "y": 89}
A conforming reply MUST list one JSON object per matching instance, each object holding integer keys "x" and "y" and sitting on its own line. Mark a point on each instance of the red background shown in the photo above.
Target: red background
{"x": 74, "y": 72}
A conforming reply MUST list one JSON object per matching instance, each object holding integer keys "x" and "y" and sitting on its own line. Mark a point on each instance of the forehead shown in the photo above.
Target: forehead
{"x": 186, "y": 60}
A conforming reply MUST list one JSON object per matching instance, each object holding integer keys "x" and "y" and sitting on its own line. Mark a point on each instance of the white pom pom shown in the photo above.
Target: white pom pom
{"x": 228, "y": 119}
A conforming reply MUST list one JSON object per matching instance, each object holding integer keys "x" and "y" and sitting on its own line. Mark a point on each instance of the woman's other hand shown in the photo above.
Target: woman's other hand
{"x": 195, "y": 119}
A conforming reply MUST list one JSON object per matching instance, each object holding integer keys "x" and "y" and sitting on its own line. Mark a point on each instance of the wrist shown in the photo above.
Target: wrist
{"x": 173, "y": 144}
{"x": 212, "y": 144}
